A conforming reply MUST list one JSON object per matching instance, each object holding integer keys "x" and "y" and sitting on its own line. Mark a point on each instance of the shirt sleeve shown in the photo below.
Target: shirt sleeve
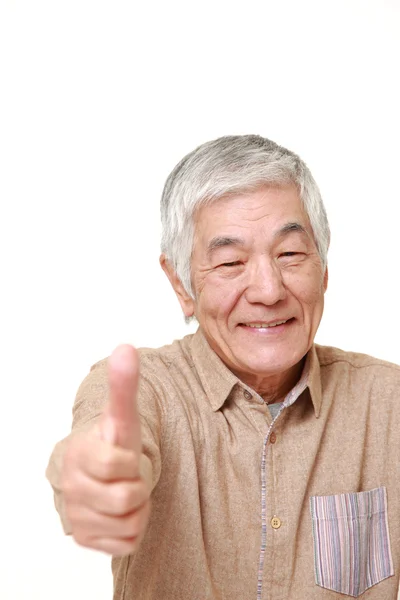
{"x": 90, "y": 400}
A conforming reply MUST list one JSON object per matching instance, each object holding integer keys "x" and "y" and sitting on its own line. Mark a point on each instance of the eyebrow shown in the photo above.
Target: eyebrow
{"x": 223, "y": 241}
{"x": 290, "y": 228}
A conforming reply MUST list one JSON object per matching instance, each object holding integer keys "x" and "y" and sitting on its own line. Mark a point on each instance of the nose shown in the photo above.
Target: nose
{"x": 265, "y": 284}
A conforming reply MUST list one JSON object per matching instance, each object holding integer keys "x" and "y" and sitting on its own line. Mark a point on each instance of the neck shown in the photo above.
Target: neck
{"x": 276, "y": 387}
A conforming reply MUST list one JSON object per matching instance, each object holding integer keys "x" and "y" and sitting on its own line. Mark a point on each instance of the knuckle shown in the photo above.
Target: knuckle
{"x": 145, "y": 492}
{"x": 123, "y": 499}
{"x": 106, "y": 464}
{"x": 138, "y": 521}
{"x": 135, "y": 525}
{"x": 140, "y": 495}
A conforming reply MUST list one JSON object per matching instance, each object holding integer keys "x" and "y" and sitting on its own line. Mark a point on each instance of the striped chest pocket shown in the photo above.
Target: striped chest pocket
{"x": 351, "y": 541}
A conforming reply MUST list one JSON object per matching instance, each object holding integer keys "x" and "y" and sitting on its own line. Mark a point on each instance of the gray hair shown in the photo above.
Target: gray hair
{"x": 231, "y": 165}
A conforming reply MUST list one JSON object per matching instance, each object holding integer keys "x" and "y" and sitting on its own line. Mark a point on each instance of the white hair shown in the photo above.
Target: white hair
{"x": 226, "y": 166}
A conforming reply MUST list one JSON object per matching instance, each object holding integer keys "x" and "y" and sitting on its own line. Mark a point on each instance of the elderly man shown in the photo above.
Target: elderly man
{"x": 246, "y": 462}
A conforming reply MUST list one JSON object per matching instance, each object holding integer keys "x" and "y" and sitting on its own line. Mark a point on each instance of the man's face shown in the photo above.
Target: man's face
{"x": 255, "y": 264}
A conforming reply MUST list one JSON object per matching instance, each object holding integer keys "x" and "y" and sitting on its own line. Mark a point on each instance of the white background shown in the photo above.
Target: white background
{"x": 99, "y": 100}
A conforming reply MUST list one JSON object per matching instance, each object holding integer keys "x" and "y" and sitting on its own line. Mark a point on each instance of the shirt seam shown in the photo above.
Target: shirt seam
{"x": 350, "y": 363}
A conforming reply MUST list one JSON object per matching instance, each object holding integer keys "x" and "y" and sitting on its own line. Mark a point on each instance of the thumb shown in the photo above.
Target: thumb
{"x": 120, "y": 424}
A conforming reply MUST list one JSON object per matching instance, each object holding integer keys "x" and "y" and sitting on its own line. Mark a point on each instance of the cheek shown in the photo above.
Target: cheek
{"x": 307, "y": 288}
{"x": 217, "y": 297}
{"x": 311, "y": 296}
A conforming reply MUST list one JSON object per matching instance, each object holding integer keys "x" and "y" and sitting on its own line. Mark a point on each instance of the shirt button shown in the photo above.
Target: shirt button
{"x": 276, "y": 522}
{"x": 272, "y": 437}
{"x": 247, "y": 394}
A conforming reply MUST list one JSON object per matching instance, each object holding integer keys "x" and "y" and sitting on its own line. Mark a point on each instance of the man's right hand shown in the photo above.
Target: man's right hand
{"x": 107, "y": 502}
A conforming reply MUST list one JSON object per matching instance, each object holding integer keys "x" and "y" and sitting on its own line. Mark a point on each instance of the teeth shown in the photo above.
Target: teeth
{"x": 264, "y": 325}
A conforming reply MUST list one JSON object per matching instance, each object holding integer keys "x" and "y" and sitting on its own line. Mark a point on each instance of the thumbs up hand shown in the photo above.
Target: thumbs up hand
{"x": 106, "y": 500}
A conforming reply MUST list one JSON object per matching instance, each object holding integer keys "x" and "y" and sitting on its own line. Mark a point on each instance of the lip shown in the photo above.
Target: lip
{"x": 287, "y": 319}
{"x": 276, "y": 330}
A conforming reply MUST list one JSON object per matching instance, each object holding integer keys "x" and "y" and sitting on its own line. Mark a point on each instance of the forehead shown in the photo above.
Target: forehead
{"x": 266, "y": 209}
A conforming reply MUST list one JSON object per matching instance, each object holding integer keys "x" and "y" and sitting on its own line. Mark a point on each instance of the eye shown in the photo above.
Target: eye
{"x": 234, "y": 263}
{"x": 291, "y": 259}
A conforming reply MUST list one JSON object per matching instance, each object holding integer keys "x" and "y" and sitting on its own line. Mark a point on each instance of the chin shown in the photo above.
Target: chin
{"x": 270, "y": 364}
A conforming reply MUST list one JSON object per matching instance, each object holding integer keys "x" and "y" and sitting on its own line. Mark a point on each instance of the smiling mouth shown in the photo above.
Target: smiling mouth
{"x": 262, "y": 325}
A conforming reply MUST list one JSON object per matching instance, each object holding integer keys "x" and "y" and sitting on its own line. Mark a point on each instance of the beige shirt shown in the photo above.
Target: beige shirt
{"x": 302, "y": 507}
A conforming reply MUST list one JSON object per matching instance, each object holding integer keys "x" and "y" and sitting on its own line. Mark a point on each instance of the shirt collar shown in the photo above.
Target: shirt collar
{"x": 310, "y": 379}
{"x": 314, "y": 379}
{"x": 218, "y": 381}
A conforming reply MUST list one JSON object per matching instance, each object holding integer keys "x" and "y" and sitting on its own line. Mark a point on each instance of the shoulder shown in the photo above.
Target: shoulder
{"x": 161, "y": 371}
{"x": 362, "y": 366}
{"x": 328, "y": 355}
{"x": 154, "y": 359}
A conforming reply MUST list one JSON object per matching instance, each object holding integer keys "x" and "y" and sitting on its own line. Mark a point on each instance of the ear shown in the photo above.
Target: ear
{"x": 185, "y": 300}
{"x": 326, "y": 279}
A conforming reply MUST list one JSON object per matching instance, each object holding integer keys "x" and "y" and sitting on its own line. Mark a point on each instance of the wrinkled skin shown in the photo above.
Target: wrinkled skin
{"x": 246, "y": 269}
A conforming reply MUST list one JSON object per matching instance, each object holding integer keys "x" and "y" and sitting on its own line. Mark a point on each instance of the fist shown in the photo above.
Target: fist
{"x": 106, "y": 500}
